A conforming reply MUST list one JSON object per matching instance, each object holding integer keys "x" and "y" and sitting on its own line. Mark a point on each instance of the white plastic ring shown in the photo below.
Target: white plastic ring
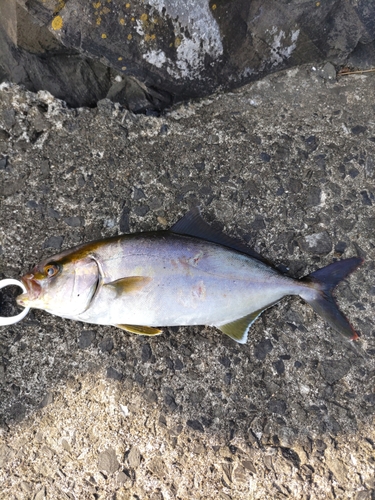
{"x": 13, "y": 319}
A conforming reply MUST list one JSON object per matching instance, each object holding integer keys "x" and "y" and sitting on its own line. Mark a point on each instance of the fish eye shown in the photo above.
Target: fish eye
{"x": 51, "y": 270}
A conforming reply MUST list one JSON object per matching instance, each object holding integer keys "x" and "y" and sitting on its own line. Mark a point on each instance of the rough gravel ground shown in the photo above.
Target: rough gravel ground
{"x": 286, "y": 164}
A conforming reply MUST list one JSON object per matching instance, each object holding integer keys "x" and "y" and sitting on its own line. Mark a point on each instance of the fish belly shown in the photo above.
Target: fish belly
{"x": 191, "y": 282}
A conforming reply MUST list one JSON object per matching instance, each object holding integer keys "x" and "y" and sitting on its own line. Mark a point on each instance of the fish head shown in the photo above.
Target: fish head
{"x": 62, "y": 285}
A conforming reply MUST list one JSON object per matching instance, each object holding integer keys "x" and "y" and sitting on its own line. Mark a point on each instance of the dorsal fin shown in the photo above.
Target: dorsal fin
{"x": 192, "y": 224}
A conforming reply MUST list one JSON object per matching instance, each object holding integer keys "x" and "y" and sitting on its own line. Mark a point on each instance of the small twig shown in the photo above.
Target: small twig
{"x": 359, "y": 72}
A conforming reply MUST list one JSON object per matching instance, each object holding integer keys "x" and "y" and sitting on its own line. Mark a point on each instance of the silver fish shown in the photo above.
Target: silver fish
{"x": 189, "y": 275}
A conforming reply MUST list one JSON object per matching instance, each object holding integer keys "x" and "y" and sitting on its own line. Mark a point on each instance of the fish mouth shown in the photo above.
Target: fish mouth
{"x": 33, "y": 290}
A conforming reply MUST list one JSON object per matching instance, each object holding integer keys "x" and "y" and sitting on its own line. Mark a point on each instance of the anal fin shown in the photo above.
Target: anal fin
{"x": 238, "y": 329}
{"x": 140, "y": 330}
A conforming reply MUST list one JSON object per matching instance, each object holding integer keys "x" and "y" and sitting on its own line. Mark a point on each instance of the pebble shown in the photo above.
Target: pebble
{"x": 332, "y": 370}
{"x": 316, "y": 243}
{"x": 263, "y": 348}
{"x": 54, "y": 242}
{"x": 113, "y": 374}
{"x": 134, "y": 457}
{"x": 107, "y": 461}
{"x": 86, "y": 338}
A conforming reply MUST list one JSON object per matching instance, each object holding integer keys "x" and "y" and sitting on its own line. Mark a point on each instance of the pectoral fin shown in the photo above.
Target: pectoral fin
{"x": 238, "y": 329}
{"x": 129, "y": 284}
{"x": 140, "y": 330}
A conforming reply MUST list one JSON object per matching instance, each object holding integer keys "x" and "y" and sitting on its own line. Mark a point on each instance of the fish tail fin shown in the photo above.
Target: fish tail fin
{"x": 318, "y": 293}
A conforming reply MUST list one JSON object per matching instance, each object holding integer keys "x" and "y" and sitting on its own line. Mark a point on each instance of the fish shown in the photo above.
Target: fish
{"x": 191, "y": 274}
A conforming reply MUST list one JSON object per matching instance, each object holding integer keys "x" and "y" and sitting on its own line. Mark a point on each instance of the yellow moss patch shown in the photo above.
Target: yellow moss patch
{"x": 105, "y": 10}
{"x": 153, "y": 37}
{"x": 144, "y": 17}
{"x": 119, "y": 58}
{"x": 98, "y": 21}
{"x": 57, "y": 23}
{"x": 123, "y": 68}
{"x": 177, "y": 42}
{"x": 214, "y": 6}
{"x": 122, "y": 21}
{"x": 147, "y": 38}
{"x": 96, "y": 5}
{"x": 127, "y": 5}
{"x": 104, "y": 35}
{"x": 130, "y": 36}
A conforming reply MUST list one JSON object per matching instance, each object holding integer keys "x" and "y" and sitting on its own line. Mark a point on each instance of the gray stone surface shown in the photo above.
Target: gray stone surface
{"x": 150, "y": 54}
{"x": 94, "y": 412}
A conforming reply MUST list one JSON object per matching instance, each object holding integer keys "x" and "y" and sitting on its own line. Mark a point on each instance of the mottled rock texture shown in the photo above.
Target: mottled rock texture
{"x": 147, "y": 55}
{"x": 286, "y": 164}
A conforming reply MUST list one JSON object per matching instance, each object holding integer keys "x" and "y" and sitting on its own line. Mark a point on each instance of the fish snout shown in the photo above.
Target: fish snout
{"x": 33, "y": 289}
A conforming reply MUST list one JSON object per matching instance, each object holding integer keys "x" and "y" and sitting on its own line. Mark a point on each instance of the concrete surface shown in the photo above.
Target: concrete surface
{"x": 286, "y": 164}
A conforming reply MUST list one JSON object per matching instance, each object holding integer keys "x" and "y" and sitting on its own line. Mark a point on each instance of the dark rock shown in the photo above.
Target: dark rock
{"x": 366, "y": 199}
{"x": 225, "y": 361}
{"x": 124, "y": 220}
{"x": 17, "y": 412}
{"x": 178, "y": 364}
{"x": 139, "y": 378}
{"x": 312, "y": 142}
{"x": 54, "y": 214}
{"x": 107, "y": 461}
{"x": 340, "y": 247}
{"x": 178, "y": 54}
{"x": 277, "y": 406}
{"x": 146, "y": 353}
{"x": 74, "y": 221}
{"x": 292, "y": 456}
{"x": 163, "y": 129}
{"x": 320, "y": 445}
{"x": 9, "y": 118}
{"x": 86, "y": 338}
{"x": 54, "y": 242}
{"x": 196, "y": 425}
{"x": 200, "y": 166}
{"x": 353, "y": 172}
{"x": 370, "y": 399}
{"x": 138, "y": 194}
{"x": 141, "y": 210}
{"x": 265, "y": 157}
{"x": 333, "y": 370}
{"x": 263, "y": 348}
{"x": 3, "y": 163}
{"x": 32, "y": 204}
{"x": 295, "y": 185}
{"x": 313, "y": 197}
{"x": 317, "y": 243}
{"x": 170, "y": 402}
{"x": 258, "y": 223}
{"x": 106, "y": 345}
{"x": 358, "y": 129}
{"x": 279, "y": 366}
{"x": 114, "y": 374}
